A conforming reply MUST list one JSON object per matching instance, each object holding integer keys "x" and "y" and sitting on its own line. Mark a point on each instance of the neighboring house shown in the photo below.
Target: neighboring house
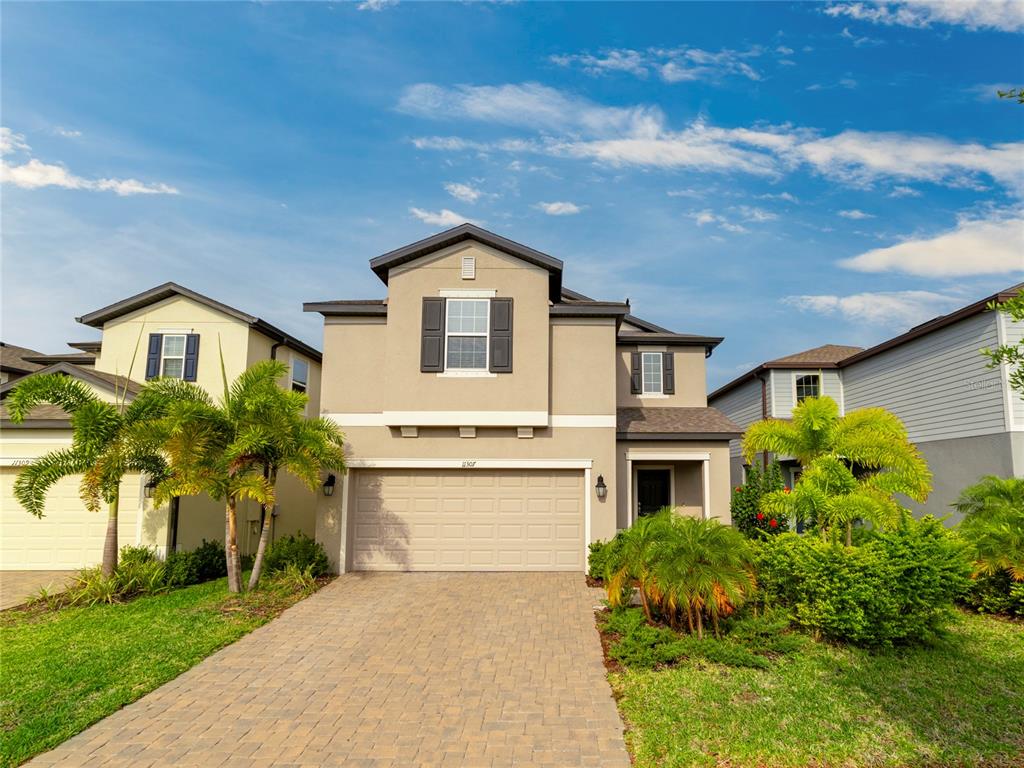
{"x": 498, "y": 421}
{"x": 167, "y": 331}
{"x": 15, "y": 362}
{"x": 962, "y": 415}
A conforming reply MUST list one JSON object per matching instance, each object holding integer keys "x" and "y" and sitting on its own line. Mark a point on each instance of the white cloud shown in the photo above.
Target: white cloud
{"x": 673, "y": 65}
{"x": 11, "y": 142}
{"x": 375, "y": 5}
{"x": 467, "y": 193}
{"x": 35, "y": 174}
{"x": 994, "y": 245}
{"x": 856, "y": 214}
{"x": 1005, "y": 15}
{"x": 784, "y": 51}
{"x": 786, "y": 196}
{"x": 846, "y": 82}
{"x": 527, "y": 105}
{"x": 560, "y": 208}
{"x": 750, "y": 213}
{"x": 900, "y": 191}
{"x": 895, "y": 308}
{"x": 573, "y": 127}
{"x": 442, "y": 218}
{"x": 709, "y": 217}
{"x": 67, "y": 133}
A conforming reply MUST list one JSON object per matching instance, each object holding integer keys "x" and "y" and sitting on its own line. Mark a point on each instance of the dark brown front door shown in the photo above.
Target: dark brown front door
{"x": 653, "y": 490}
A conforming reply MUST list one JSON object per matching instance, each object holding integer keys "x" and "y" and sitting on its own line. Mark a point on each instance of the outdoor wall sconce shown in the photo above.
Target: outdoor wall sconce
{"x": 149, "y": 488}
{"x": 329, "y": 485}
{"x": 601, "y": 488}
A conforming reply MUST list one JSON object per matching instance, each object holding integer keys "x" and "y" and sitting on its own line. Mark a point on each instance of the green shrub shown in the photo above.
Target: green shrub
{"x": 205, "y": 563}
{"x": 897, "y": 587}
{"x": 131, "y": 556}
{"x": 600, "y": 553}
{"x": 996, "y": 593}
{"x": 745, "y": 505}
{"x": 301, "y": 551}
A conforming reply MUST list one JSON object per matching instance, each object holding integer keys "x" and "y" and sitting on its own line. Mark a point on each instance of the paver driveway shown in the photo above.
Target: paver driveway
{"x": 16, "y": 587}
{"x": 430, "y": 669}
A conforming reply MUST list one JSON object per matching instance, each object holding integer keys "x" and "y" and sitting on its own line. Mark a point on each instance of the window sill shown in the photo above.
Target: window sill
{"x": 467, "y": 375}
{"x": 653, "y": 396}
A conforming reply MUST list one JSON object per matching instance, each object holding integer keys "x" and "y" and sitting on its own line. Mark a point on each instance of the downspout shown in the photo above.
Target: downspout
{"x": 764, "y": 415}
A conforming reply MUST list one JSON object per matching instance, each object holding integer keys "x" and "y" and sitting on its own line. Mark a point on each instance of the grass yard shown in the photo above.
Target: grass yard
{"x": 958, "y": 704}
{"x": 62, "y": 671}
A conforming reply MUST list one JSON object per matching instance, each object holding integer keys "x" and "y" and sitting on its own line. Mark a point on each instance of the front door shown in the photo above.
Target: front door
{"x": 653, "y": 490}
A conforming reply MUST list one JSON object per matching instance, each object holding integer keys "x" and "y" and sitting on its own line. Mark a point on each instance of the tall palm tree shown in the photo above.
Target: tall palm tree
{"x": 233, "y": 450}
{"x": 852, "y": 464}
{"x": 103, "y": 448}
{"x": 993, "y": 523}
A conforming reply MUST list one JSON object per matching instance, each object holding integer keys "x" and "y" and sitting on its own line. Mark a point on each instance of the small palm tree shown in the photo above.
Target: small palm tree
{"x": 853, "y": 464}
{"x": 634, "y": 560}
{"x": 993, "y": 523}
{"x": 103, "y": 447}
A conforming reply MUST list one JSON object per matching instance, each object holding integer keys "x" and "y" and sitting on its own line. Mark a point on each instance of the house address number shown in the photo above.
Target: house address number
{"x": 468, "y": 464}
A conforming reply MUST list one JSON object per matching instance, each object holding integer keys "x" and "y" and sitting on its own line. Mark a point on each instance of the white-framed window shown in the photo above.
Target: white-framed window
{"x": 807, "y": 385}
{"x": 172, "y": 355}
{"x": 652, "y": 375}
{"x": 465, "y": 333}
{"x": 300, "y": 375}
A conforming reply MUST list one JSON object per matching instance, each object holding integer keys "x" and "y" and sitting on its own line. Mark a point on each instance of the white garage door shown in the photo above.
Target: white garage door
{"x": 467, "y": 520}
{"x": 67, "y": 537}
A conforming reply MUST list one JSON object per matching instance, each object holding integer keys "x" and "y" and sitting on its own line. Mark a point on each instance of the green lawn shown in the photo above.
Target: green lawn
{"x": 62, "y": 671}
{"x": 958, "y": 704}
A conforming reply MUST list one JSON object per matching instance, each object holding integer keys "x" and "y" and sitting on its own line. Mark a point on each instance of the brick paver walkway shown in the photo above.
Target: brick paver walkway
{"x": 486, "y": 669}
{"x": 16, "y": 587}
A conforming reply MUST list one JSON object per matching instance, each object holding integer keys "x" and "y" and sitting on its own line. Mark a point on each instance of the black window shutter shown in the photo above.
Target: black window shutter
{"x": 432, "y": 336}
{"x": 668, "y": 373}
{"x": 635, "y": 378}
{"x": 501, "y": 336}
{"x": 156, "y": 341}
{"x": 191, "y": 356}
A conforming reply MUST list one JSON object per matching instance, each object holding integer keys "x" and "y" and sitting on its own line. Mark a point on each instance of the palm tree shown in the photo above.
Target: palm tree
{"x": 994, "y": 524}
{"x": 103, "y": 447}
{"x": 634, "y": 559}
{"x": 852, "y": 464}
{"x": 234, "y": 449}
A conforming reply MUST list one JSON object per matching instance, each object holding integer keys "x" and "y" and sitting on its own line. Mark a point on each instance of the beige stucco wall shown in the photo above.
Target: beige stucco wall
{"x": 525, "y": 389}
{"x": 691, "y": 378}
{"x": 583, "y": 366}
{"x": 353, "y": 348}
{"x": 686, "y": 481}
{"x": 127, "y": 338}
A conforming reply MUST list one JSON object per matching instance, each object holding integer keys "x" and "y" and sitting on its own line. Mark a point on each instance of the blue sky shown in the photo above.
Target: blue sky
{"x": 781, "y": 174}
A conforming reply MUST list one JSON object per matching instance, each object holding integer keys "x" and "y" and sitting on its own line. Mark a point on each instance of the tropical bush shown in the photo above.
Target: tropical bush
{"x": 993, "y": 527}
{"x": 745, "y": 504}
{"x": 852, "y": 466}
{"x": 684, "y": 569}
{"x": 299, "y": 551}
{"x": 205, "y": 563}
{"x": 898, "y": 587}
{"x": 599, "y": 553}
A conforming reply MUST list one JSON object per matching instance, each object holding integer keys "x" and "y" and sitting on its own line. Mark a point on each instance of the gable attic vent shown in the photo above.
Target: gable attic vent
{"x": 468, "y": 267}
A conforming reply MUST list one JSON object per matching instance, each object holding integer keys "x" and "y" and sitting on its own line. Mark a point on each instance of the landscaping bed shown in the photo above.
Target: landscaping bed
{"x": 956, "y": 702}
{"x": 63, "y": 670}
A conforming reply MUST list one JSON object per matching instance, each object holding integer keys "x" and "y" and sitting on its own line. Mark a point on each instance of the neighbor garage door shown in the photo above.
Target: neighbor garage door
{"x": 467, "y": 520}
{"x": 68, "y": 536}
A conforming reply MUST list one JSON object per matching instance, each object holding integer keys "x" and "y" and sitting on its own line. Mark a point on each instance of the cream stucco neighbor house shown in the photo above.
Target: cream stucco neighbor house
{"x": 961, "y": 414}
{"x": 166, "y": 331}
{"x": 496, "y": 420}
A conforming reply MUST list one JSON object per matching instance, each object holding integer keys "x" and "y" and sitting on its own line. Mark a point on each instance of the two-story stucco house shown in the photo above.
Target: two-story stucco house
{"x": 961, "y": 414}
{"x": 495, "y": 420}
{"x": 166, "y": 331}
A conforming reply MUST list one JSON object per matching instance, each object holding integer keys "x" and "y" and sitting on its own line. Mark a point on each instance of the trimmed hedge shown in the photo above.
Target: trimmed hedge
{"x": 301, "y": 551}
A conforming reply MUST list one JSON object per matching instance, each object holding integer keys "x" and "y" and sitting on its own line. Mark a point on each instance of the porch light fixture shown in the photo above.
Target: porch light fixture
{"x": 601, "y": 488}
{"x": 149, "y": 488}
{"x": 329, "y": 485}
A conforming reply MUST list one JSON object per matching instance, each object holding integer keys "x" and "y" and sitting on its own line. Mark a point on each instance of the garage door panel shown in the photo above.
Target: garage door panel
{"x": 467, "y": 520}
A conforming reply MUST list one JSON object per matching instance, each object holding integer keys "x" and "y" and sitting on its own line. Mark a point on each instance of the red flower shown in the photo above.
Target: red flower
{"x": 785, "y": 490}
{"x": 760, "y": 515}
{"x": 737, "y": 489}
{"x": 773, "y": 523}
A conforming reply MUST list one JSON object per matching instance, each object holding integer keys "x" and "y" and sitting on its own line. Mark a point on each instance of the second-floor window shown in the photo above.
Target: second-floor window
{"x": 172, "y": 356}
{"x": 300, "y": 375}
{"x": 653, "y": 380}
{"x": 466, "y": 334}
{"x": 808, "y": 385}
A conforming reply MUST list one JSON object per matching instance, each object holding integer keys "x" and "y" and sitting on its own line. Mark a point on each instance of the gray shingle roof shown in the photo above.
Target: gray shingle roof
{"x": 675, "y": 423}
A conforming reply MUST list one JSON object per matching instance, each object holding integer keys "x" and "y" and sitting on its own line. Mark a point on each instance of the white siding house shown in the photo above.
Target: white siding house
{"x": 962, "y": 415}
